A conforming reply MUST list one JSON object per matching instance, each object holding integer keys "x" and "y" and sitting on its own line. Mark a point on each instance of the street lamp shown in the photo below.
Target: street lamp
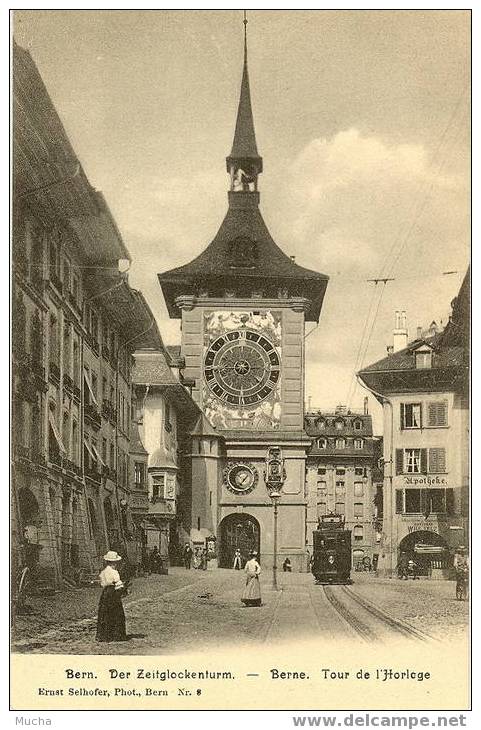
{"x": 275, "y": 496}
{"x": 274, "y": 477}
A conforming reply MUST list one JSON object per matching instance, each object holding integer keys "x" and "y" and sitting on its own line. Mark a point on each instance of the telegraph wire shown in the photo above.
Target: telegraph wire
{"x": 392, "y": 257}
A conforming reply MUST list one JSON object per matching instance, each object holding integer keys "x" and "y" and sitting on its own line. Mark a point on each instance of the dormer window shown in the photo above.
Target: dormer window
{"x": 358, "y": 425}
{"x": 339, "y": 423}
{"x": 358, "y": 444}
{"x": 423, "y": 358}
{"x": 322, "y": 443}
{"x": 340, "y": 443}
{"x": 321, "y": 424}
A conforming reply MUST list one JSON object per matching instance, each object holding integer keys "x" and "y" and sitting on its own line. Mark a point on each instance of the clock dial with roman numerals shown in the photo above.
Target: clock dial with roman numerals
{"x": 242, "y": 367}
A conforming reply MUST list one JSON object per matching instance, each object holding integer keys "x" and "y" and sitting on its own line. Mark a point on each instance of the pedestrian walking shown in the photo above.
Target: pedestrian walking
{"x": 155, "y": 561}
{"x": 237, "y": 560}
{"x": 111, "y": 616}
{"x": 252, "y": 591}
{"x": 403, "y": 566}
{"x": 203, "y": 559}
{"x": 187, "y": 556}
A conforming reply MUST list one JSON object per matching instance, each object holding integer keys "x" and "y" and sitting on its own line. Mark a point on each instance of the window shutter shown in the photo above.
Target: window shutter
{"x": 437, "y": 413}
{"x": 450, "y": 501}
{"x": 437, "y": 461}
{"x": 442, "y": 411}
{"x": 399, "y": 501}
{"x": 399, "y": 461}
{"x": 424, "y": 461}
{"x": 402, "y": 415}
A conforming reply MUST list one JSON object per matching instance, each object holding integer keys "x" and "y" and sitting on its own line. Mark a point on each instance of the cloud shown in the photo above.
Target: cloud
{"x": 355, "y": 205}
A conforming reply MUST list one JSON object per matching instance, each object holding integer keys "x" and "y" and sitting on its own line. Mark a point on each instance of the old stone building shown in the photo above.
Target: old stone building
{"x": 424, "y": 391}
{"x": 339, "y": 477}
{"x": 75, "y": 323}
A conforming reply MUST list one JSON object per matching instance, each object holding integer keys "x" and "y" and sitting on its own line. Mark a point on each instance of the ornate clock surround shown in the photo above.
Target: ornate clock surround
{"x": 240, "y": 477}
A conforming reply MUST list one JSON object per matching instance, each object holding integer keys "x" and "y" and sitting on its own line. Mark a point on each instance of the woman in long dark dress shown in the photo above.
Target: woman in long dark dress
{"x": 111, "y": 616}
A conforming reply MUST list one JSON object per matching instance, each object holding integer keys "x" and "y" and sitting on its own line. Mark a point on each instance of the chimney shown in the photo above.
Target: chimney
{"x": 390, "y": 349}
{"x": 419, "y": 333}
{"x": 309, "y": 402}
{"x": 400, "y": 334}
{"x": 340, "y": 409}
{"x": 366, "y": 406}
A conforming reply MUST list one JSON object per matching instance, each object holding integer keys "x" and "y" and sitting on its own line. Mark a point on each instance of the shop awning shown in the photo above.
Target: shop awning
{"x": 89, "y": 386}
{"x": 56, "y": 432}
{"x": 89, "y": 449}
{"x": 97, "y": 456}
{"x": 429, "y": 549}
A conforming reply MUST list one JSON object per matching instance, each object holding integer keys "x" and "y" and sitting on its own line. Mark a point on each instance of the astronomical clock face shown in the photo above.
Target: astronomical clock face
{"x": 241, "y": 386}
{"x": 242, "y": 367}
{"x": 240, "y": 478}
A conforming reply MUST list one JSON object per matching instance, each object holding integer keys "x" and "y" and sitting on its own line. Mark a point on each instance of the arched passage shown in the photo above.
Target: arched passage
{"x": 426, "y": 548}
{"x": 238, "y": 531}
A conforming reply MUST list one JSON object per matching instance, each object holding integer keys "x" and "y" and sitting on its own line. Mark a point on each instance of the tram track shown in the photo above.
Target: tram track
{"x": 395, "y": 624}
{"x": 371, "y": 623}
{"x": 362, "y": 630}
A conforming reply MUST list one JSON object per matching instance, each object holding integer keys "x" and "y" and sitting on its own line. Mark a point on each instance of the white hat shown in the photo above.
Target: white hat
{"x": 112, "y": 556}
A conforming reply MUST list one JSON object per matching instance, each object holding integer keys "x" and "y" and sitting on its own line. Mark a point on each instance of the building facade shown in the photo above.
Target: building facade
{"x": 243, "y": 305}
{"x": 75, "y": 322}
{"x": 424, "y": 390}
{"x": 167, "y": 458}
{"x": 340, "y": 477}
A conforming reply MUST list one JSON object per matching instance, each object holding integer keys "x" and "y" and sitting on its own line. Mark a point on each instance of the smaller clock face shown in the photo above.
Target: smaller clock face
{"x": 240, "y": 478}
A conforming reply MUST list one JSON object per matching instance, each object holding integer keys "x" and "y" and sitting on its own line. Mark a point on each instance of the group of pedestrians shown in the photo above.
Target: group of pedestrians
{"x": 196, "y": 559}
{"x": 111, "y": 615}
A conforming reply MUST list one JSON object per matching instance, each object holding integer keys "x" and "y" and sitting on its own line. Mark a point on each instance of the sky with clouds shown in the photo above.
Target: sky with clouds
{"x": 362, "y": 118}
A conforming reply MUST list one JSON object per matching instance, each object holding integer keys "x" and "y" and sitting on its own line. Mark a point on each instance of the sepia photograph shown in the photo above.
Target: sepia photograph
{"x": 240, "y": 358}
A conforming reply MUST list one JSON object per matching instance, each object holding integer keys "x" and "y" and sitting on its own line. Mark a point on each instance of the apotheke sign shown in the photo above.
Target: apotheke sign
{"x": 424, "y": 481}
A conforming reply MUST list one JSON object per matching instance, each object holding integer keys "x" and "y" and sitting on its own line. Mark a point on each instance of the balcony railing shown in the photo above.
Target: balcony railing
{"x": 108, "y": 411}
{"x": 55, "y": 457}
{"x": 93, "y": 474}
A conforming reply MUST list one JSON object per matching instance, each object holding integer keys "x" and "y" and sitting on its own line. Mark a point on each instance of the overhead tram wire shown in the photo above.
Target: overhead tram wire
{"x": 383, "y": 276}
{"x": 419, "y": 206}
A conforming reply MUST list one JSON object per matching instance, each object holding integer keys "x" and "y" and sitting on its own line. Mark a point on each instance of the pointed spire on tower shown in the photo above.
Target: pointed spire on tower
{"x": 244, "y": 147}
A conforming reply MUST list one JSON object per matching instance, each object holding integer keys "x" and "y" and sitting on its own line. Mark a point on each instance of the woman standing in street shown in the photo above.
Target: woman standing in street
{"x": 252, "y": 591}
{"x": 111, "y": 616}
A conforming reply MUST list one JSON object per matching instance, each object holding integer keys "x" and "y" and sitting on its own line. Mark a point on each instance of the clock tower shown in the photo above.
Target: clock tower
{"x": 243, "y": 305}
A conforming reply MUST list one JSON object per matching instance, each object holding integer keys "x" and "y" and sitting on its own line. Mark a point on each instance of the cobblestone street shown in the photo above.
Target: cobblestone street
{"x": 190, "y": 610}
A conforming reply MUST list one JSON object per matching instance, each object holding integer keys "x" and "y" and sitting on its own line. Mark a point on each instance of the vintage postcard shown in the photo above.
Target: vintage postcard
{"x": 241, "y": 301}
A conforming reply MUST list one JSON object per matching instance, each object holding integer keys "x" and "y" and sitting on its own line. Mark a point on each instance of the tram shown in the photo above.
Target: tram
{"x": 331, "y": 560}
